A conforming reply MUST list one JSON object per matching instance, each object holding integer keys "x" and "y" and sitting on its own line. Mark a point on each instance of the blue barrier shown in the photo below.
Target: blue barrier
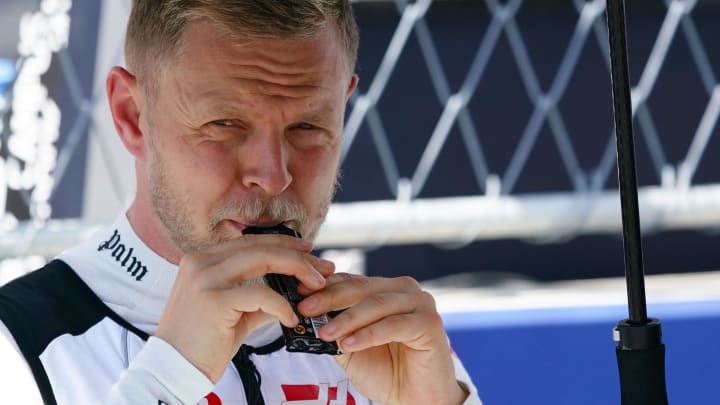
{"x": 567, "y": 356}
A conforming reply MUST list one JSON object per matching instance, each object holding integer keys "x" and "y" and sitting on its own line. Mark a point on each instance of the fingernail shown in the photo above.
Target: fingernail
{"x": 309, "y": 303}
{"x": 349, "y": 341}
{"x": 330, "y": 328}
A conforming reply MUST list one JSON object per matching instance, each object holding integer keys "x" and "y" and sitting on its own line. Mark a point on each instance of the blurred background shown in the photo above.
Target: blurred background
{"x": 479, "y": 157}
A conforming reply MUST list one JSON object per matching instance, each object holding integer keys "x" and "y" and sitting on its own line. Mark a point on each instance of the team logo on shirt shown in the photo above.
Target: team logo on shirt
{"x": 322, "y": 394}
{"x": 124, "y": 256}
{"x": 303, "y": 394}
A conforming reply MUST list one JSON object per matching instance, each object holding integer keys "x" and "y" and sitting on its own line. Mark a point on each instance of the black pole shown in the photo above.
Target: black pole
{"x": 640, "y": 351}
{"x": 626, "y": 162}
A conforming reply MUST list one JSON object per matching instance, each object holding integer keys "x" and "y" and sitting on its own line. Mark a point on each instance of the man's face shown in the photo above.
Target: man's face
{"x": 244, "y": 135}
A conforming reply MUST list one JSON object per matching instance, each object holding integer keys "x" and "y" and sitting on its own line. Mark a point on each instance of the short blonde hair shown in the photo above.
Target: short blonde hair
{"x": 155, "y": 27}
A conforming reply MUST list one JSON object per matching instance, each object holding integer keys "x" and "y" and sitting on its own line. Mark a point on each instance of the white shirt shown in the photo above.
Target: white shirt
{"x": 109, "y": 363}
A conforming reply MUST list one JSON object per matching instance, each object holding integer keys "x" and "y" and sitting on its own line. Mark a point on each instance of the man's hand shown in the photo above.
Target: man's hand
{"x": 213, "y": 308}
{"x": 394, "y": 343}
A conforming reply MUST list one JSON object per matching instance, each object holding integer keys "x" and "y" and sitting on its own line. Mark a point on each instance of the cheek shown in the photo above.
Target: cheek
{"x": 314, "y": 174}
{"x": 204, "y": 170}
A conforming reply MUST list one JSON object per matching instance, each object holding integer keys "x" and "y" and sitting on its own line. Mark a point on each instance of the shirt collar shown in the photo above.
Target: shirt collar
{"x": 131, "y": 278}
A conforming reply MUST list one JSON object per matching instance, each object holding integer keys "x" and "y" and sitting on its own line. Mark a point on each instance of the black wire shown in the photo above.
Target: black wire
{"x": 627, "y": 177}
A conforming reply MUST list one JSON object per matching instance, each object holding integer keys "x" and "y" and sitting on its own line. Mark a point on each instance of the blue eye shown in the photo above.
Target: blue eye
{"x": 223, "y": 123}
{"x": 305, "y": 125}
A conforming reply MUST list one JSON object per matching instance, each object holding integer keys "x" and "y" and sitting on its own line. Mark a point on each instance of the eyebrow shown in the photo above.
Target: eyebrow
{"x": 226, "y": 108}
{"x": 323, "y": 114}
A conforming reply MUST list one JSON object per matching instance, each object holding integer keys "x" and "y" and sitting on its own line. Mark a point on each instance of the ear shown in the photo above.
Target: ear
{"x": 352, "y": 86}
{"x": 124, "y": 100}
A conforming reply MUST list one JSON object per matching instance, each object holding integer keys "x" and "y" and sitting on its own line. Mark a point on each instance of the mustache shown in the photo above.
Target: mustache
{"x": 254, "y": 209}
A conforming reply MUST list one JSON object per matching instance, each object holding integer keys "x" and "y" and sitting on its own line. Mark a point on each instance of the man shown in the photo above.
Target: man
{"x": 233, "y": 112}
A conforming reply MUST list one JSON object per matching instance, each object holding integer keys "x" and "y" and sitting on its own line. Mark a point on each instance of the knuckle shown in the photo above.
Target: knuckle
{"x": 191, "y": 266}
{"x": 371, "y": 335}
{"x": 379, "y": 300}
{"x": 305, "y": 259}
{"x": 427, "y": 303}
{"x": 426, "y": 297}
{"x": 408, "y": 283}
{"x": 323, "y": 296}
{"x": 359, "y": 282}
{"x": 347, "y": 317}
{"x": 301, "y": 256}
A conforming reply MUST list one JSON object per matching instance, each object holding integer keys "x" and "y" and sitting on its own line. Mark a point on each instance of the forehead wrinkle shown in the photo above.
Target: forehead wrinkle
{"x": 251, "y": 79}
{"x": 264, "y": 88}
{"x": 237, "y": 86}
{"x": 239, "y": 95}
{"x": 294, "y": 58}
{"x": 301, "y": 77}
{"x": 304, "y": 109}
{"x": 291, "y": 53}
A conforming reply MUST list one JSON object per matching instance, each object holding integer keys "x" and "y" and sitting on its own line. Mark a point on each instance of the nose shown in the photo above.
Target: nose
{"x": 263, "y": 163}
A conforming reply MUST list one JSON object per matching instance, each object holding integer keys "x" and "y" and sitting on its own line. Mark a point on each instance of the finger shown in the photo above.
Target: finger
{"x": 250, "y": 299}
{"x": 250, "y": 264}
{"x": 373, "y": 309}
{"x": 325, "y": 267}
{"x": 252, "y": 321}
{"x": 412, "y": 330}
{"x": 343, "y": 290}
{"x": 220, "y": 252}
{"x": 365, "y": 283}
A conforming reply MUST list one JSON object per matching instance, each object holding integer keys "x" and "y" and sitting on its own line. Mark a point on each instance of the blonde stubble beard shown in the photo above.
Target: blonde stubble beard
{"x": 171, "y": 207}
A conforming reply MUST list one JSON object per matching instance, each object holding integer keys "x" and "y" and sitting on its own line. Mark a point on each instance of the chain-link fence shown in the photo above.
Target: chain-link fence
{"x": 474, "y": 120}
